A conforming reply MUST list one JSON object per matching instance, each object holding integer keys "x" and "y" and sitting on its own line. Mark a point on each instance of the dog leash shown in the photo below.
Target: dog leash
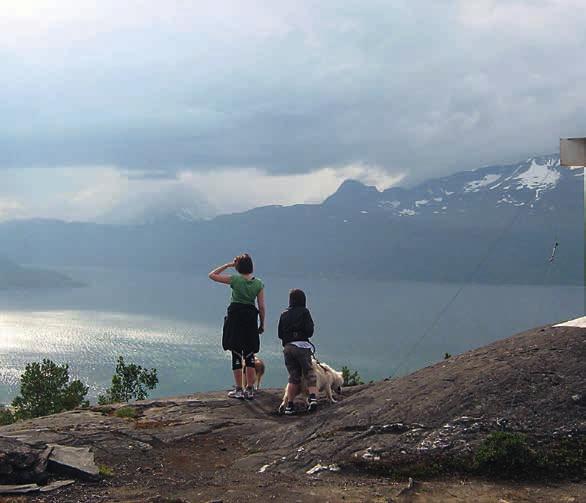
{"x": 315, "y": 357}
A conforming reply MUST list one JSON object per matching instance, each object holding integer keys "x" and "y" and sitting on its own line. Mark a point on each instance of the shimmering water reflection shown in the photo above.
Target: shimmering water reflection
{"x": 173, "y": 321}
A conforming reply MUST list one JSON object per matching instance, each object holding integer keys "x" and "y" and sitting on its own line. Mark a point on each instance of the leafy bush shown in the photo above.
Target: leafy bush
{"x": 6, "y": 416}
{"x": 509, "y": 455}
{"x": 351, "y": 378}
{"x": 506, "y": 454}
{"x": 130, "y": 382}
{"x": 45, "y": 389}
{"x": 447, "y": 355}
{"x": 566, "y": 458}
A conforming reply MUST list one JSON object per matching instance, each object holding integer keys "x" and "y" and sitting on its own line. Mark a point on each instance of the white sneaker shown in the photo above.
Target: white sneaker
{"x": 249, "y": 394}
{"x": 236, "y": 393}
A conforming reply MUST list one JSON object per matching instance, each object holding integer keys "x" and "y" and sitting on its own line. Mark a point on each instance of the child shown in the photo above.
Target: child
{"x": 241, "y": 332}
{"x": 295, "y": 329}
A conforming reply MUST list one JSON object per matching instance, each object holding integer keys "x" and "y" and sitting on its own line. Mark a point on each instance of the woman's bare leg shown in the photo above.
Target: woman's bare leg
{"x": 292, "y": 391}
{"x": 238, "y": 377}
{"x": 250, "y": 376}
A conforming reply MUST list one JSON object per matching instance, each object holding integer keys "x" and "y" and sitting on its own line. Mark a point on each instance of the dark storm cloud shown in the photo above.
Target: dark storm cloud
{"x": 410, "y": 86}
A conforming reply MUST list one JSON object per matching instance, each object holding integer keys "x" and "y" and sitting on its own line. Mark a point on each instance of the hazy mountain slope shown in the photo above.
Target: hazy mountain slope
{"x": 439, "y": 230}
{"x": 14, "y": 276}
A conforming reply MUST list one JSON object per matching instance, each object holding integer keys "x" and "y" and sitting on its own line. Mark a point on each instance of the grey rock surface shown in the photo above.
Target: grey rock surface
{"x": 76, "y": 461}
{"x": 519, "y": 384}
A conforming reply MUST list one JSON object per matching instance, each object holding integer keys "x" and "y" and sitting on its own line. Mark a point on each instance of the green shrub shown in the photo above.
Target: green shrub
{"x": 105, "y": 471}
{"x": 506, "y": 454}
{"x": 566, "y": 458}
{"x": 45, "y": 389}
{"x": 126, "y": 412}
{"x": 447, "y": 355}
{"x": 130, "y": 382}
{"x": 6, "y": 416}
{"x": 509, "y": 455}
{"x": 351, "y": 378}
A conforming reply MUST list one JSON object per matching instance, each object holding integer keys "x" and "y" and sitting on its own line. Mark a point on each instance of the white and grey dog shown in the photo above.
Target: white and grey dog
{"x": 329, "y": 381}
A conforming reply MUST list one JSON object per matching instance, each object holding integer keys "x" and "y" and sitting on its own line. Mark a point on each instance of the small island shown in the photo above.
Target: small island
{"x": 16, "y": 277}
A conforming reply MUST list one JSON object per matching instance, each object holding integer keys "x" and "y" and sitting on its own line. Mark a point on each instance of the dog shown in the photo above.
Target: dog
{"x": 329, "y": 381}
{"x": 259, "y": 366}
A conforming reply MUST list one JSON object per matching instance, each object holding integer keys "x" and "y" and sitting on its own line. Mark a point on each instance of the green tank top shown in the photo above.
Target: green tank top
{"x": 245, "y": 291}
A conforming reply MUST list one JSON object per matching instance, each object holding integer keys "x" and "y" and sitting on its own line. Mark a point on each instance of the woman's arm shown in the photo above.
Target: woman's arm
{"x": 216, "y": 274}
{"x": 260, "y": 299}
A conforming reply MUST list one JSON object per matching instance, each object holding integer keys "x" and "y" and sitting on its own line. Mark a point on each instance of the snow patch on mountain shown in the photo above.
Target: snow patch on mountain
{"x": 539, "y": 176}
{"x": 389, "y": 204}
{"x": 407, "y": 213}
{"x": 475, "y": 185}
{"x": 506, "y": 199}
{"x": 525, "y": 183}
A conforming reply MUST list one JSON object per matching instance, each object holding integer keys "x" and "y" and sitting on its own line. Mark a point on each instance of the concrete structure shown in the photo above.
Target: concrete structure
{"x": 573, "y": 151}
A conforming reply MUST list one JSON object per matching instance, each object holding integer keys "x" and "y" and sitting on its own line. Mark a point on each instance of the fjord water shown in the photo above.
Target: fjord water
{"x": 172, "y": 321}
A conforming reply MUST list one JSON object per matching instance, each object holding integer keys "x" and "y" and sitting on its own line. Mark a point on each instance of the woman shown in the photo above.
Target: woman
{"x": 295, "y": 328}
{"x": 241, "y": 331}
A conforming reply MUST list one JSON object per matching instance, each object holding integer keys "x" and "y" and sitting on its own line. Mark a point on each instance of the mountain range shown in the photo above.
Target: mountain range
{"x": 14, "y": 276}
{"x": 493, "y": 224}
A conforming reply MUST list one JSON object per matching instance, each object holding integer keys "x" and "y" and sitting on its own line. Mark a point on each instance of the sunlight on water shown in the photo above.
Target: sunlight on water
{"x": 89, "y": 340}
{"x": 63, "y": 332}
{"x": 173, "y": 322}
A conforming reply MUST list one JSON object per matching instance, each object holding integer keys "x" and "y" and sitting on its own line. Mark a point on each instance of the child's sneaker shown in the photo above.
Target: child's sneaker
{"x": 312, "y": 404}
{"x": 249, "y": 393}
{"x": 290, "y": 409}
{"x": 236, "y": 393}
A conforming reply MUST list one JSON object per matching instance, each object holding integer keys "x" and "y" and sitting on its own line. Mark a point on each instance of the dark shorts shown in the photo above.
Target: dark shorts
{"x": 237, "y": 360}
{"x": 298, "y": 363}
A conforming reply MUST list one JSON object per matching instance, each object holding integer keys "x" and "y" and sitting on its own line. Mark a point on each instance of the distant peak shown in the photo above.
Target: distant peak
{"x": 349, "y": 182}
{"x": 355, "y": 186}
{"x": 352, "y": 191}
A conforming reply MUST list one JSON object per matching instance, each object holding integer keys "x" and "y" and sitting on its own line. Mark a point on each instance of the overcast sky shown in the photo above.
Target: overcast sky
{"x": 111, "y": 110}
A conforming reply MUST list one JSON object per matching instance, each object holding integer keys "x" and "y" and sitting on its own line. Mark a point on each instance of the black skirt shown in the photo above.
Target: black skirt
{"x": 240, "y": 332}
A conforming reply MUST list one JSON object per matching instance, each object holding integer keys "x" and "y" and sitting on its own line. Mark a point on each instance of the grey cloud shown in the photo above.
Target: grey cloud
{"x": 407, "y": 86}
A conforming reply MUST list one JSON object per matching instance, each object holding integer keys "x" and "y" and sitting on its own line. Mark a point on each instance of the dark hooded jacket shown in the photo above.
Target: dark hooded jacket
{"x": 295, "y": 324}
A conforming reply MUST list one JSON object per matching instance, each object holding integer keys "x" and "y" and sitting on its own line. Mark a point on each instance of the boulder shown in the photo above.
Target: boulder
{"x": 21, "y": 463}
{"x": 77, "y": 462}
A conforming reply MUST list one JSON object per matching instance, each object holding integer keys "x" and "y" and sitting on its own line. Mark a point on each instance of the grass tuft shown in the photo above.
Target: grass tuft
{"x": 127, "y": 412}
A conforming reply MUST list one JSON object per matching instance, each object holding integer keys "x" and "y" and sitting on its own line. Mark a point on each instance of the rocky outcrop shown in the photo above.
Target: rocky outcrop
{"x": 27, "y": 464}
{"x": 527, "y": 383}
{"x": 21, "y": 463}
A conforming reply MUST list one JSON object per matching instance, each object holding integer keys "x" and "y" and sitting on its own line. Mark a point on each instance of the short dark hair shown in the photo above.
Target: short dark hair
{"x": 297, "y": 298}
{"x": 243, "y": 264}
